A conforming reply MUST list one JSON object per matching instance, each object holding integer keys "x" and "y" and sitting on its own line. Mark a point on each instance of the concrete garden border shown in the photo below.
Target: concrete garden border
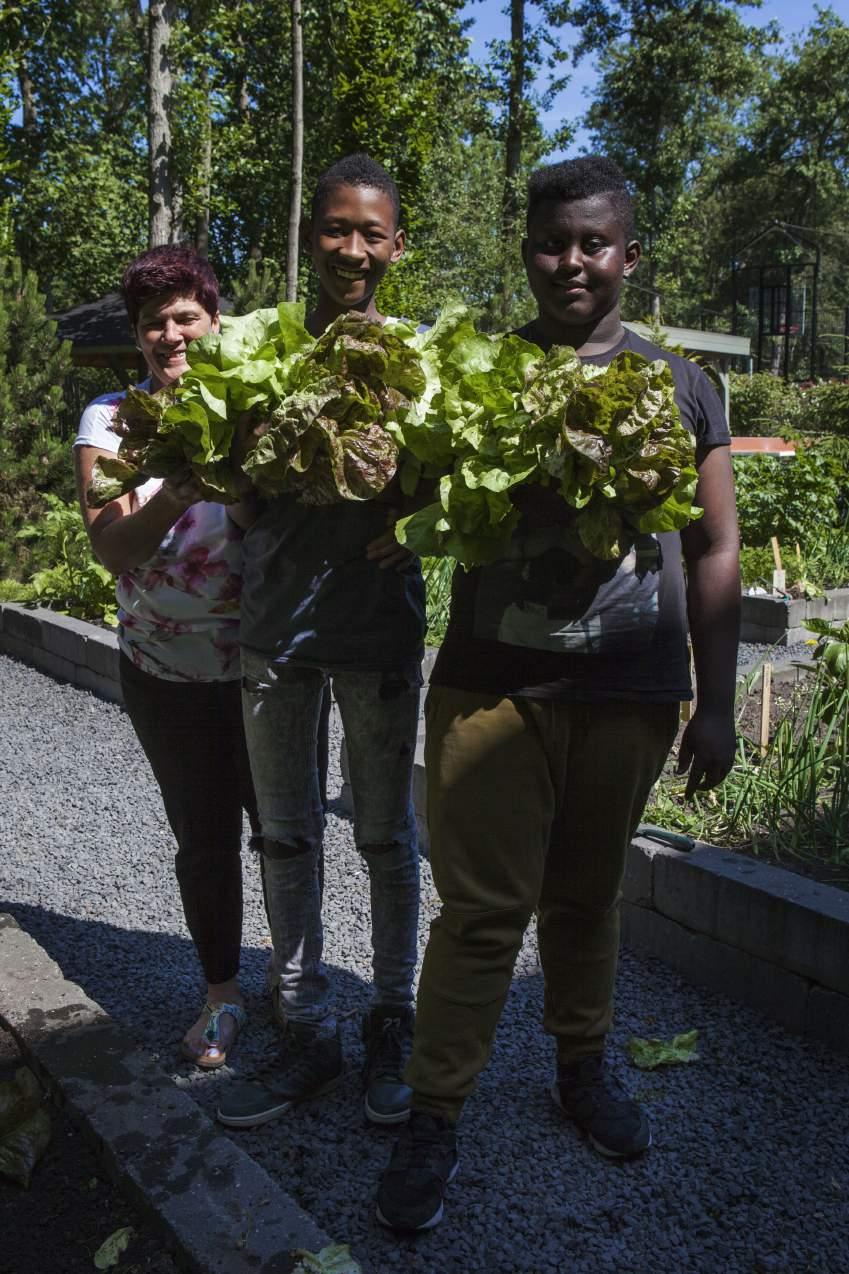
{"x": 760, "y": 934}
{"x": 213, "y": 1205}
{"x": 66, "y": 648}
{"x": 780, "y": 621}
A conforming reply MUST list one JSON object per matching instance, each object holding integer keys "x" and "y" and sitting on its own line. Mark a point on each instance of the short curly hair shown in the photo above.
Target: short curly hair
{"x": 582, "y": 178}
{"x": 355, "y": 170}
{"x": 173, "y": 269}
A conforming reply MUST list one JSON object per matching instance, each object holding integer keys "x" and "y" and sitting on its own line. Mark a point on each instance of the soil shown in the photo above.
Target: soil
{"x": 57, "y": 1225}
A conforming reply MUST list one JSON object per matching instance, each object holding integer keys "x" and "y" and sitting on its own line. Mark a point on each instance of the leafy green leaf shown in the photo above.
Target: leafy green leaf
{"x": 108, "y": 1254}
{"x": 334, "y": 1259}
{"x": 647, "y": 1054}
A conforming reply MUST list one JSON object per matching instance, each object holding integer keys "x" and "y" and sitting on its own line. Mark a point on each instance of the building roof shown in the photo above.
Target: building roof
{"x": 693, "y": 339}
{"x": 100, "y": 325}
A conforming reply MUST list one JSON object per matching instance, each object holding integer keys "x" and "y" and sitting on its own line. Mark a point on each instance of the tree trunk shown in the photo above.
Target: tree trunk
{"x": 161, "y": 189}
{"x": 28, "y": 108}
{"x": 513, "y": 143}
{"x": 293, "y": 245}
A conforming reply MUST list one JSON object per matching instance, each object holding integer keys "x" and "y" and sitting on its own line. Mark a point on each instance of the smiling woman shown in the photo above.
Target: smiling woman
{"x": 178, "y": 560}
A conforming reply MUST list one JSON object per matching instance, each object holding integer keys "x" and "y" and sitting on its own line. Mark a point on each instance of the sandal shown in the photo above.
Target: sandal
{"x": 213, "y": 1055}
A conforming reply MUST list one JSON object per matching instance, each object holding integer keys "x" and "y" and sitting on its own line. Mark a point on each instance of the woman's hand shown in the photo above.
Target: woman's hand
{"x": 385, "y": 549}
{"x": 181, "y": 490}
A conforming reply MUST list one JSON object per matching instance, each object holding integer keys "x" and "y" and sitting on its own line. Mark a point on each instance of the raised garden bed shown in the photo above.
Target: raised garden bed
{"x": 780, "y": 621}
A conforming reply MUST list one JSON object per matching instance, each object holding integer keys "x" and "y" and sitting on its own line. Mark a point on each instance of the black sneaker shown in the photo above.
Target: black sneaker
{"x": 423, "y": 1162}
{"x": 387, "y": 1035}
{"x": 310, "y": 1064}
{"x": 591, "y": 1096}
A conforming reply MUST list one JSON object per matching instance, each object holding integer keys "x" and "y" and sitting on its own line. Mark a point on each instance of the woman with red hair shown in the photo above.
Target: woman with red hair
{"x": 178, "y": 560}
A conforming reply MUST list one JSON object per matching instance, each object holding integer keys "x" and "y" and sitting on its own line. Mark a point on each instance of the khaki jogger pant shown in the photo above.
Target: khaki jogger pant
{"x": 531, "y": 807}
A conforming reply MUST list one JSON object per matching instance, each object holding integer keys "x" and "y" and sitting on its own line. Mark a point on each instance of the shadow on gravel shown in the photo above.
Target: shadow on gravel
{"x": 151, "y": 981}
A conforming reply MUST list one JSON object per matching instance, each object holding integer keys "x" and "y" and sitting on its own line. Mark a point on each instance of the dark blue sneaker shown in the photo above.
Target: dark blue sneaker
{"x": 593, "y": 1098}
{"x": 388, "y": 1037}
{"x": 424, "y": 1161}
{"x": 310, "y": 1064}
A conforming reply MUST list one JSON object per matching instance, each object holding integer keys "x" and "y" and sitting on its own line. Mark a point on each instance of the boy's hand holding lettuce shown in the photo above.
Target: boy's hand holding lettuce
{"x": 503, "y": 413}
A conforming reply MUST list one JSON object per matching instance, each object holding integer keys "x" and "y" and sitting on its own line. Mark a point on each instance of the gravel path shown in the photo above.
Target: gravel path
{"x": 750, "y": 1168}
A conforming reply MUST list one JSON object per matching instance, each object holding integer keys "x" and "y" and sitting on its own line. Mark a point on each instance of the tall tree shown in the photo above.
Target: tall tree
{"x": 163, "y": 217}
{"x": 675, "y": 78}
{"x": 297, "y": 173}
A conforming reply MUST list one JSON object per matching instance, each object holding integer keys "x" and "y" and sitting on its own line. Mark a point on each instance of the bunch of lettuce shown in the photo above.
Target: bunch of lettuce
{"x": 329, "y": 439}
{"x": 499, "y": 413}
{"x": 249, "y": 365}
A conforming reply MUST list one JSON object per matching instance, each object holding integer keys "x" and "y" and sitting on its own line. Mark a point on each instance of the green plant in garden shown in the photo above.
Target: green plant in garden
{"x": 438, "y": 573}
{"x": 33, "y": 365}
{"x": 786, "y": 498}
{"x": 821, "y": 563}
{"x": 70, "y": 579}
{"x": 832, "y": 650}
{"x": 763, "y": 405}
{"x": 824, "y": 408}
{"x": 791, "y": 801}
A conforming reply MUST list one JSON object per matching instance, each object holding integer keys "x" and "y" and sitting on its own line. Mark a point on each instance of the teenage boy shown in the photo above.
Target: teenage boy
{"x": 553, "y": 705}
{"x": 319, "y": 605}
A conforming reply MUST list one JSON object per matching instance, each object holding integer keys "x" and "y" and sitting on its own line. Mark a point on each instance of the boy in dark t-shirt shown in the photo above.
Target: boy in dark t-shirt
{"x": 328, "y": 596}
{"x": 553, "y": 705}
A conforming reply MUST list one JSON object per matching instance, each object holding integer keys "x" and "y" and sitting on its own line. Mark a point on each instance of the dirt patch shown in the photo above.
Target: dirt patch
{"x": 70, "y": 1208}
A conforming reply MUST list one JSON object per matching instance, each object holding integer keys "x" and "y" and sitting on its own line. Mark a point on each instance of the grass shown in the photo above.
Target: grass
{"x": 790, "y": 802}
{"x": 437, "y": 575}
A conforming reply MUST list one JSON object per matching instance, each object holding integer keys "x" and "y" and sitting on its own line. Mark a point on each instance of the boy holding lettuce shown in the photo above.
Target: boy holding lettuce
{"x": 553, "y": 704}
{"x": 319, "y": 604}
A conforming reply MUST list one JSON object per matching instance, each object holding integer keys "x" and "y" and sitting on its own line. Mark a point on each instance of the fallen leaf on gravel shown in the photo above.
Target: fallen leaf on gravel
{"x": 335, "y": 1259}
{"x": 650, "y": 1053}
{"x": 109, "y": 1252}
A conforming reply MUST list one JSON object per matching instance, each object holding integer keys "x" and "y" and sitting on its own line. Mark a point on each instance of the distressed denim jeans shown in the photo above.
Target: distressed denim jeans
{"x": 281, "y": 705}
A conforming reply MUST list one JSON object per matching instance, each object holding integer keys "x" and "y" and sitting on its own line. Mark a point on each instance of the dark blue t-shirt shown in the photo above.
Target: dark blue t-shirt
{"x": 551, "y": 621}
{"x": 311, "y": 597}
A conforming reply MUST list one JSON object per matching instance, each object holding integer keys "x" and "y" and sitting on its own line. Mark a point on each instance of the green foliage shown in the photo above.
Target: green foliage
{"x": 647, "y": 1054}
{"x": 791, "y": 801}
{"x": 500, "y": 413}
{"x": 763, "y": 406}
{"x": 821, "y": 563}
{"x": 824, "y": 408}
{"x": 788, "y": 497}
{"x": 68, "y": 577}
{"x": 33, "y": 365}
{"x": 261, "y": 286}
{"x": 13, "y": 590}
{"x": 438, "y": 573}
{"x": 329, "y": 438}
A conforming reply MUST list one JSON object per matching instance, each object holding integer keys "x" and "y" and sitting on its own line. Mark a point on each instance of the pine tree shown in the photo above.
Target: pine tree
{"x": 33, "y": 367}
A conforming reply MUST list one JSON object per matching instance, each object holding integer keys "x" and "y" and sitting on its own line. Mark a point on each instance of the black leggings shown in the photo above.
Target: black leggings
{"x": 192, "y": 735}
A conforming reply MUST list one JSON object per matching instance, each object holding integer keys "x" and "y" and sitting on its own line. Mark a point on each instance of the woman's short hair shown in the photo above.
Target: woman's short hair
{"x": 174, "y": 269}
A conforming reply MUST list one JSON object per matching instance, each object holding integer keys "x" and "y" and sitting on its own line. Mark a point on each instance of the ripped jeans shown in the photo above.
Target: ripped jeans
{"x": 282, "y": 705}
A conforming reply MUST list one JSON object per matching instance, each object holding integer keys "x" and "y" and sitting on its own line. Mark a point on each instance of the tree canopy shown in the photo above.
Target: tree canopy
{"x": 719, "y": 125}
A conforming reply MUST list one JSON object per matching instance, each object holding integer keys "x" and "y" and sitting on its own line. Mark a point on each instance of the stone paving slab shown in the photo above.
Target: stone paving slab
{"x": 219, "y": 1209}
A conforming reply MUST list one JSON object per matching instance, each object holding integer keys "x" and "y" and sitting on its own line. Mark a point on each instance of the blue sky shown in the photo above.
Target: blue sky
{"x": 490, "y": 22}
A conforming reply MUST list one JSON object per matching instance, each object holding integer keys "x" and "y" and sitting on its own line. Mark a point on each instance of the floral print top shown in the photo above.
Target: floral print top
{"x": 178, "y": 613}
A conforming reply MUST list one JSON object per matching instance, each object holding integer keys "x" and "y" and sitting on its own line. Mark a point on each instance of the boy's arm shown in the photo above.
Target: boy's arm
{"x": 712, "y": 554}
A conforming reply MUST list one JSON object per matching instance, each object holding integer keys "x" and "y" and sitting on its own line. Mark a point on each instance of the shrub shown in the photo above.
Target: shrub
{"x": 69, "y": 577}
{"x": 33, "y": 366}
{"x": 763, "y": 405}
{"x": 824, "y": 407}
{"x": 791, "y": 499}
